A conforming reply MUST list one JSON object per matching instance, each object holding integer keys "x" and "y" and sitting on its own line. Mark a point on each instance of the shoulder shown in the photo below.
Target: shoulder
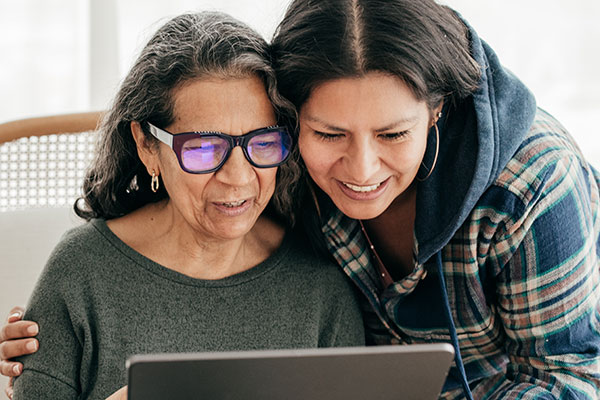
{"x": 546, "y": 195}
{"x": 85, "y": 237}
{"x": 70, "y": 267}
{"x": 547, "y": 165}
{"x": 317, "y": 280}
{"x": 309, "y": 266}
{"x": 81, "y": 247}
{"x": 548, "y": 150}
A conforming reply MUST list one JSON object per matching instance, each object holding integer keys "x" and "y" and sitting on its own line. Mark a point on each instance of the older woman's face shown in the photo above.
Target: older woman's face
{"x": 362, "y": 140}
{"x": 224, "y": 204}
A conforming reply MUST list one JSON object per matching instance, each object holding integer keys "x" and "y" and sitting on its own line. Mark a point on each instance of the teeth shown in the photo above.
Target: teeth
{"x": 234, "y": 203}
{"x": 362, "y": 188}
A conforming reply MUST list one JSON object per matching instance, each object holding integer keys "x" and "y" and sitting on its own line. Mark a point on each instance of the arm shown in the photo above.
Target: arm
{"x": 53, "y": 371}
{"x": 548, "y": 291}
{"x": 13, "y": 343}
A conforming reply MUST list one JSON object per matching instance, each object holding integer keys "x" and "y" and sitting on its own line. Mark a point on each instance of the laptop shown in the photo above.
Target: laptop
{"x": 348, "y": 373}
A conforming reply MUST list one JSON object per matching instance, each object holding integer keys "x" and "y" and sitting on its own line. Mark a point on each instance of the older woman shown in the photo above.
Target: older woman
{"x": 184, "y": 250}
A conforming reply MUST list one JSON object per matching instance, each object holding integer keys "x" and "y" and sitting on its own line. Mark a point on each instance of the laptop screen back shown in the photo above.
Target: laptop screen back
{"x": 353, "y": 373}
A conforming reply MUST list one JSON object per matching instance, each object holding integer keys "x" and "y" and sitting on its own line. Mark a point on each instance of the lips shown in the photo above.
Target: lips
{"x": 233, "y": 208}
{"x": 232, "y": 204}
{"x": 362, "y": 189}
{"x": 363, "y": 192}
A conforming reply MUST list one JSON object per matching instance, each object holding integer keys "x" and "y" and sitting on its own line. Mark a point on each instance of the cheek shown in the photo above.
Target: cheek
{"x": 169, "y": 175}
{"x": 406, "y": 157}
{"x": 185, "y": 189}
{"x": 409, "y": 158}
{"x": 181, "y": 186}
{"x": 267, "y": 180}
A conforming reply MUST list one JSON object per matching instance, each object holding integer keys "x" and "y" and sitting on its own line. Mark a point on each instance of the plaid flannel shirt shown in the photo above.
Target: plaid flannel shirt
{"x": 521, "y": 273}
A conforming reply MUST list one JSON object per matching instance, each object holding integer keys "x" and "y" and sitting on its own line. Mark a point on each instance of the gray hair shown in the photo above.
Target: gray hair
{"x": 189, "y": 46}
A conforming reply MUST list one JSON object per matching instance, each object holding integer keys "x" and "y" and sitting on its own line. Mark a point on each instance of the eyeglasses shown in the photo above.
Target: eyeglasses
{"x": 205, "y": 152}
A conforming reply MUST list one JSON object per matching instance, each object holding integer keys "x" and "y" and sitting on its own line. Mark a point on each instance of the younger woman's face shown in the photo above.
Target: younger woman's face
{"x": 362, "y": 140}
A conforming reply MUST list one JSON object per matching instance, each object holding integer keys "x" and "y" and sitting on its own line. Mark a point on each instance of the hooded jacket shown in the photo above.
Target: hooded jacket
{"x": 506, "y": 250}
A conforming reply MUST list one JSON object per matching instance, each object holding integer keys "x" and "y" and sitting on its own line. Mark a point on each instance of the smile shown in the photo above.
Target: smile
{"x": 363, "y": 192}
{"x": 233, "y": 204}
{"x": 362, "y": 189}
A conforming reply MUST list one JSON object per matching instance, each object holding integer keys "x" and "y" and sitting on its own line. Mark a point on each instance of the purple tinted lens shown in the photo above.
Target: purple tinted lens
{"x": 203, "y": 153}
{"x": 269, "y": 148}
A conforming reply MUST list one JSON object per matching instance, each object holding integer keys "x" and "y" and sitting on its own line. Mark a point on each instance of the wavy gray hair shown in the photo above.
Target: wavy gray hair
{"x": 189, "y": 46}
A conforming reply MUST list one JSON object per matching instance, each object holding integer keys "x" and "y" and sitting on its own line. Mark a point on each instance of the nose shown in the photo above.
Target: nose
{"x": 236, "y": 171}
{"x": 362, "y": 160}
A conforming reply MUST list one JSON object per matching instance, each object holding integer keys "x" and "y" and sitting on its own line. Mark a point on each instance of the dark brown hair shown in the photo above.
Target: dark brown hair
{"x": 421, "y": 42}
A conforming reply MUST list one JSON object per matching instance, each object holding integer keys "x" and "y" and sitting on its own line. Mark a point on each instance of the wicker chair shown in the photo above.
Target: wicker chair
{"x": 42, "y": 164}
{"x": 42, "y": 160}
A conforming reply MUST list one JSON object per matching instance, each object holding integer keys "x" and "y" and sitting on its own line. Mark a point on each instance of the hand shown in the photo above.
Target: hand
{"x": 14, "y": 342}
{"x": 120, "y": 394}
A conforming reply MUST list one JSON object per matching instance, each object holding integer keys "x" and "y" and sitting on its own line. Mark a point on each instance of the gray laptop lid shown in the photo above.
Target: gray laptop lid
{"x": 350, "y": 373}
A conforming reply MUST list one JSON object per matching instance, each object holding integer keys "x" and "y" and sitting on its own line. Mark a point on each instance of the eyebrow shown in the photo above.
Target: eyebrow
{"x": 401, "y": 121}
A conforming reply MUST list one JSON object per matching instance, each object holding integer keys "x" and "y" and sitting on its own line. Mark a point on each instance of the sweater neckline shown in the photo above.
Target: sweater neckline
{"x": 273, "y": 261}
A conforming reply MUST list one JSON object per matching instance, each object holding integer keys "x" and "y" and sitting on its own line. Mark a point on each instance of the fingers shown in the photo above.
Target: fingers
{"x": 15, "y": 341}
{"x": 120, "y": 394}
{"x": 18, "y": 330}
{"x": 9, "y": 389}
{"x": 19, "y": 347}
{"x": 10, "y": 369}
{"x": 15, "y": 314}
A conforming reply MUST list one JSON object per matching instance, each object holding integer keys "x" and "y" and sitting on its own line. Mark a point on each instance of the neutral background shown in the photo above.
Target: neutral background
{"x": 69, "y": 55}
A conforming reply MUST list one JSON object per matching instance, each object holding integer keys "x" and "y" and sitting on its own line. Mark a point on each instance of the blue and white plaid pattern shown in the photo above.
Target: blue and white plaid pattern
{"x": 522, "y": 275}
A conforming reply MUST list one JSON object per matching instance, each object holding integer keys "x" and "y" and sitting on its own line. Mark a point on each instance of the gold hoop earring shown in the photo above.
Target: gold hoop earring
{"x": 437, "y": 150}
{"x": 314, "y": 196}
{"x": 154, "y": 182}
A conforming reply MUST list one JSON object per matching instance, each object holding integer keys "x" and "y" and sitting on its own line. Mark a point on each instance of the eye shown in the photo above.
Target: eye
{"x": 265, "y": 143}
{"x": 393, "y": 136}
{"x": 329, "y": 136}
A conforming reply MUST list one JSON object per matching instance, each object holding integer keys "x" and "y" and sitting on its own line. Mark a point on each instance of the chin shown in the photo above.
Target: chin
{"x": 362, "y": 211}
{"x": 232, "y": 233}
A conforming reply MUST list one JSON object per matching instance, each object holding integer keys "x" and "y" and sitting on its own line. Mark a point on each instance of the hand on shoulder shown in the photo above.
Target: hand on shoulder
{"x": 16, "y": 340}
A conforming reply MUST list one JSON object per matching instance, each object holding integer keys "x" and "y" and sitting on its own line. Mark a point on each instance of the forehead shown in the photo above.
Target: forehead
{"x": 373, "y": 96}
{"x": 231, "y": 105}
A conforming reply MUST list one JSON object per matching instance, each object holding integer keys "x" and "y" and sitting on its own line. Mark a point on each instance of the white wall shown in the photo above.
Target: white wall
{"x": 43, "y": 57}
{"x": 554, "y": 47}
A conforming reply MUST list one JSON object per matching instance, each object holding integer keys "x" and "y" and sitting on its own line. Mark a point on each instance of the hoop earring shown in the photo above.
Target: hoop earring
{"x": 154, "y": 182}
{"x": 314, "y": 196}
{"x": 437, "y": 150}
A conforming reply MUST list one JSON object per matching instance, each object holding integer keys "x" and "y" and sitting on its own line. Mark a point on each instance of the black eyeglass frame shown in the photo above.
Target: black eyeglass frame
{"x": 176, "y": 141}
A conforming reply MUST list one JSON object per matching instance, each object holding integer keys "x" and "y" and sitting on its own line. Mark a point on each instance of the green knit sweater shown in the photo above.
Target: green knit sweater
{"x": 98, "y": 302}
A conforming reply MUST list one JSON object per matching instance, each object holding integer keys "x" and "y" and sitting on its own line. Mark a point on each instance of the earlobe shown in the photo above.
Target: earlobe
{"x": 437, "y": 113}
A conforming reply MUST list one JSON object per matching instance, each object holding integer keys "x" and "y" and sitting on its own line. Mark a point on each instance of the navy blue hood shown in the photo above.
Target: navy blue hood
{"x": 477, "y": 139}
